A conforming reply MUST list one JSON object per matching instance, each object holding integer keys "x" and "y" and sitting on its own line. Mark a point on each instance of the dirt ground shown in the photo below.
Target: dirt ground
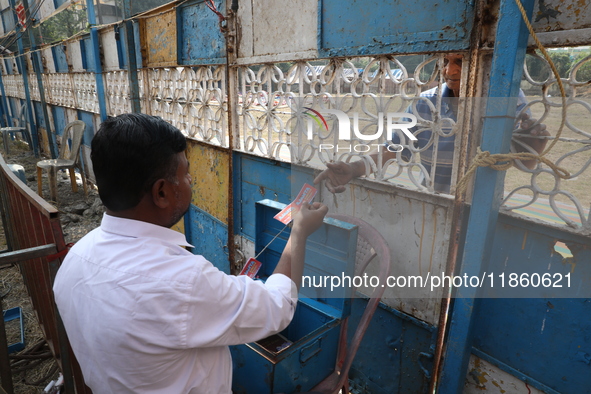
{"x": 79, "y": 215}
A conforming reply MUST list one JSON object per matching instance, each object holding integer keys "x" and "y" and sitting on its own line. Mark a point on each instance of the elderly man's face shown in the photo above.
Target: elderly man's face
{"x": 452, "y": 72}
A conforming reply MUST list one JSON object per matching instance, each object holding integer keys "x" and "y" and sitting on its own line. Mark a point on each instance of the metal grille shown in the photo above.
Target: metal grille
{"x": 275, "y": 100}
{"x": 540, "y": 189}
{"x": 14, "y": 85}
{"x": 117, "y": 89}
{"x": 60, "y": 90}
{"x": 192, "y": 99}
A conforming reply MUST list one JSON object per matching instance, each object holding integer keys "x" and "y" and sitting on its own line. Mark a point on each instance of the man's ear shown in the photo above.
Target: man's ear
{"x": 161, "y": 193}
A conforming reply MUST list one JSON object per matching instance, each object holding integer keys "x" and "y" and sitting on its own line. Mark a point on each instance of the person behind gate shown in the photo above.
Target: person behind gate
{"x": 144, "y": 315}
{"x": 340, "y": 173}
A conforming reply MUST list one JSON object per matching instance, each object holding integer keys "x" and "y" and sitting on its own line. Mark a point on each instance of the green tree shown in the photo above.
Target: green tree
{"x": 67, "y": 23}
{"x": 584, "y": 72}
{"x": 562, "y": 61}
{"x": 540, "y": 70}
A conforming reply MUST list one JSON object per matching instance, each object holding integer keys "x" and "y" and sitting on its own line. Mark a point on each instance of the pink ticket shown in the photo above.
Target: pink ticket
{"x": 304, "y": 197}
{"x": 251, "y": 268}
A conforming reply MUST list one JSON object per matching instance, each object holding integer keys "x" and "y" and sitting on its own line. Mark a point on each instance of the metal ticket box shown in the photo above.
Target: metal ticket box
{"x": 302, "y": 355}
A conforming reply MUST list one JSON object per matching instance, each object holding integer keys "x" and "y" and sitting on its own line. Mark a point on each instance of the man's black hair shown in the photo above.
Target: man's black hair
{"x": 129, "y": 153}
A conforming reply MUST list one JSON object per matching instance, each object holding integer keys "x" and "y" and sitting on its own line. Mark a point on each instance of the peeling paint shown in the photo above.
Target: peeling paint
{"x": 209, "y": 168}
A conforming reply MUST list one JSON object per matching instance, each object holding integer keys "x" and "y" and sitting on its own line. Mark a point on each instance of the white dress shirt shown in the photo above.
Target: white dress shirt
{"x": 144, "y": 315}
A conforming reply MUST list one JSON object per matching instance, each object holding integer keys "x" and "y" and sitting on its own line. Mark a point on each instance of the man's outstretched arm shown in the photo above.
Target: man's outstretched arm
{"x": 307, "y": 220}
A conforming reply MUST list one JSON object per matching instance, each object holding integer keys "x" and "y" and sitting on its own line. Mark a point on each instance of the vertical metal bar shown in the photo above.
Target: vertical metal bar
{"x": 508, "y": 57}
{"x": 231, "y": 92}
{"x": 459, "y": 200}
{"x": 5, "y": 120}
{"x": 98, "y": 73}
{"x": 23, "y": 66}
{"x": 134, "y": 87}
{"x": 36, "y": 57}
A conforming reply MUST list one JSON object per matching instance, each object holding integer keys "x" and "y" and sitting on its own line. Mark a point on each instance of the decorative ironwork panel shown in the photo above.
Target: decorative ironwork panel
{"x": 59, "y": 90}
{"x": 192, "y": 99}
{"x": 34, "y": 88}
{"x": 281, "y": 105}
{"x": 117, "y": 88}
{"x": 85, "y": 91}
{"x": 14, "y": 85}
{"x": 540, "y": 190}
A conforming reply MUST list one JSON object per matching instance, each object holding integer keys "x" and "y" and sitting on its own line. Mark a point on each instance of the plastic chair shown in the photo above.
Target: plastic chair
{"x": 20, "y": 126}
{"x": 69, "y": 158}
{"x": 370, "y": 244}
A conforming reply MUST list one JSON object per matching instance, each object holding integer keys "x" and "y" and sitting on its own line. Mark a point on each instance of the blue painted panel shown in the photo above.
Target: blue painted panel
{"x": 525, "y": 336}
{"x": 524, "y": 249}
{"x": 395, "y": 349}
{"x": 15, "y": 105}
{"x": 314, "y": 330}
{"x": 121, "y": 42}
{"x": 257, "y": 178}
{"x": 59, "y": 119}
{"x": 8, "y": 20}
{"x": 209, "y": 236}
{"x": 58, "y": 3}
{"x": 8, "y": 65}
{"x": 200, "y": 40}
{"x": 39, "y": 118}
{"x": 548, "y": 340}
{"x": 87, "y": 54}
{"x": 59, "y": 59}
{"x": 386, "y": 26}
{"x": 137, "y": 40}
{"x": 330, "y": 251}
{"x": 88, "y": 118}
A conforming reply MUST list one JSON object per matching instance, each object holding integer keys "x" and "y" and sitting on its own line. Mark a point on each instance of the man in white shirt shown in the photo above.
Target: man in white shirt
{"x": 144, "y": 315}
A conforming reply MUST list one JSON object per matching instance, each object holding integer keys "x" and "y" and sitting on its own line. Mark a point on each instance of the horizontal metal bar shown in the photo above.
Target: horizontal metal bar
{"x": 27, "y": 254}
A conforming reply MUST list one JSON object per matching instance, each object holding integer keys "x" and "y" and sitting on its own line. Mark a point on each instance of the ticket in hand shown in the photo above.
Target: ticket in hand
{"x": 305, "y": 196}
{"x": 251, "y": 268}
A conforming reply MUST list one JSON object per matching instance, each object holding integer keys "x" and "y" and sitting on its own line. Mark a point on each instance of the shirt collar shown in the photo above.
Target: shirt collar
{"x": 137, "y": 229}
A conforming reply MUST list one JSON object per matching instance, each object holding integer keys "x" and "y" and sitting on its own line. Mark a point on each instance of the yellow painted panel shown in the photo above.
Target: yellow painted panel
{"x": 159, "y": 47}
{"x": 209, "y": 168}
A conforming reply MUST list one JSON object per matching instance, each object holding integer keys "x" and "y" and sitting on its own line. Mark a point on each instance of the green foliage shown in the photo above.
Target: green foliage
{"x": 584, "y": 72}
{"x": 562, "y": 61}
{"x": 540, "y": 70}
{"x": 67, "y": 23}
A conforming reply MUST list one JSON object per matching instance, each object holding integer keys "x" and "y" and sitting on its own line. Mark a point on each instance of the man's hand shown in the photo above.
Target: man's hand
{"x": 336, "y": 176}
{"x": 527, "y": 128}
{"x": 309, "y": 218}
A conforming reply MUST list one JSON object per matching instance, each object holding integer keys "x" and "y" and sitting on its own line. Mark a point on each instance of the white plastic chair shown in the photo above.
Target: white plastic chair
{"x": 19, "y": 126}
{"x": 69, "y": 158}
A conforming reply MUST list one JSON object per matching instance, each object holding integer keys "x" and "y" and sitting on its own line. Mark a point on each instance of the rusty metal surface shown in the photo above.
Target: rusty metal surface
{"x": 209, "y": 168}
{"x": 553, "y": 15}
{"x": 159, "y": 39}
